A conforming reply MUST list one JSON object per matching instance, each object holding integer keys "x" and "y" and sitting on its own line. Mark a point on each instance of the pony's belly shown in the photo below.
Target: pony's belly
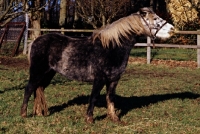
{"x": 74, "y": 73}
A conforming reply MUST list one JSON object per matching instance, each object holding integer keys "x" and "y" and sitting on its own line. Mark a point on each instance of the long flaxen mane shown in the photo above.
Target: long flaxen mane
{"x": 121, "y": 29}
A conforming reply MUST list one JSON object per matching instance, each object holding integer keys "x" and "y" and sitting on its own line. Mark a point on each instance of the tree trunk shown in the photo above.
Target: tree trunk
{"x": 35, "y": 25}
{"x": 75, "y": 17}
{"x": 35, "y": 18}
{"x": 103, "y": 20}
{"x": 92, "y": 8}
{"x": 63, "y": 13}
{"x": 1, "y": 5}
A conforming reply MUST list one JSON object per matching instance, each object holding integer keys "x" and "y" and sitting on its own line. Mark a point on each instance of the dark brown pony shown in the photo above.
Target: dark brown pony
{"x": 100, "y": 58}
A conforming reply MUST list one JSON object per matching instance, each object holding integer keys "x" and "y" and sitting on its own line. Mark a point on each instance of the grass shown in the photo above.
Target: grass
{"x": 179, "y": 54}
{"x": 150, "y": 99}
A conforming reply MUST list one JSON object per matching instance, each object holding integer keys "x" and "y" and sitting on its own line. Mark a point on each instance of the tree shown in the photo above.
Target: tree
{"x": 49, "y": 14}
{"x": 35, "y": 18}
{"x": 63, "y": 12}
{"x": 184, "y": 12}
{"x": 10, "y": 9}
{"x": 100, "y": 12}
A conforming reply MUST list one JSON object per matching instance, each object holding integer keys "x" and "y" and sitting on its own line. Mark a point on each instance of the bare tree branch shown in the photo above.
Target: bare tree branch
{"x": 99, "y": 12}
{"x": 17, "y": 8}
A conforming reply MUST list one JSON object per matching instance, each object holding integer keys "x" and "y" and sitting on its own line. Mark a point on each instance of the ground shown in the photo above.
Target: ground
{"x": 21, "y": 63}
{"x": 171, "y": 63}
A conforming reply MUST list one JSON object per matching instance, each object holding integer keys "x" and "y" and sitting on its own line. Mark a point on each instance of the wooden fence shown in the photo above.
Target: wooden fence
{"x": 197, "y": 46}
{"x": 148, "y": 44}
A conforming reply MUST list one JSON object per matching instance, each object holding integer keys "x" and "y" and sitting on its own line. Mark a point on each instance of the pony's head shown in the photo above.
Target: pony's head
{"x": 144, "y": 22}
{"x": 156, "y": 26}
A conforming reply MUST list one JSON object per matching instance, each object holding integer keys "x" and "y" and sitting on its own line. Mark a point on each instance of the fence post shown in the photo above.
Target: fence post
{"x": 62, "y": 32}
{"x": 26, "y": 35}
{"x": 148, "y": 50}
{"x": 198, "y": 50}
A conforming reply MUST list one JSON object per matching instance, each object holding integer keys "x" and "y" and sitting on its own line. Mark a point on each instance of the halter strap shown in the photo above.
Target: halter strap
{"x": 153, "y": 37}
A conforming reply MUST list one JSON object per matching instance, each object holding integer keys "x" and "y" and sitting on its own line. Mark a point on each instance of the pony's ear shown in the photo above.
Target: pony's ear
{"x": 144, "y": 11}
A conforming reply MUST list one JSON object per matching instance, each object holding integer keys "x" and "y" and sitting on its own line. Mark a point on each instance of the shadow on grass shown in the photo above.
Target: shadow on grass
{"x": 17, "y": 87}
{"x": 3, "y": 69}
{"x": 125, "y": 104}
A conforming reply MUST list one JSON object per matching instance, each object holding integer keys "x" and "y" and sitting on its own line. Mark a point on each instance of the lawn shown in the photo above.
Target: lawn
{"x": 178, "y": 54}
{"x": 149, "y": 99}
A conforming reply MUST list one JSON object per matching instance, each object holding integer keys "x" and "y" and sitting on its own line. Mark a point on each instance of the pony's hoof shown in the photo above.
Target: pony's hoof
{"x": 89, "y": 119}
{"x": 114, "y": 118}
{"x": 23, "y": 113}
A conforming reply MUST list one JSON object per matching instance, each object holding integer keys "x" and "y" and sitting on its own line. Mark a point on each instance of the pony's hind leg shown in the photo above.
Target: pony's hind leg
{"x": 110, "y": 87}
{"x": 38, "y": 79}
{"x": 30, "y": 88}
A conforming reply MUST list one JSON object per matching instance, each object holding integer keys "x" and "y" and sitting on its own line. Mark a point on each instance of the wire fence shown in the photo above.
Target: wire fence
{"x": 10, "y": 37}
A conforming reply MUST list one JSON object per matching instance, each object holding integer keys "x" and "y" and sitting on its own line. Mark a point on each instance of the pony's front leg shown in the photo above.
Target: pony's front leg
{"x": 110, "y": 87}
{"x": 97, "y": 86}
{"x": 28, "y": 91}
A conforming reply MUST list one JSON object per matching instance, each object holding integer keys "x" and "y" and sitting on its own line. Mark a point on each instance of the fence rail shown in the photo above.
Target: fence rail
{"x": 148, "y": 44}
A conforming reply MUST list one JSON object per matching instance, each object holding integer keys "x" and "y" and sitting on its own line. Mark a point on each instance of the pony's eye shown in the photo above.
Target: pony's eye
{"x": 155, "y": 18}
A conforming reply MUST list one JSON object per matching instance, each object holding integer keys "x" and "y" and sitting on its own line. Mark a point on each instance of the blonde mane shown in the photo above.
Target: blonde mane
{"x": 120, "y": 29}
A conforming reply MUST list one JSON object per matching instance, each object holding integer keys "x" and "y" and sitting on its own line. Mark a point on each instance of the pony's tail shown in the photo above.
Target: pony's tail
{"x": 29, "y": 52}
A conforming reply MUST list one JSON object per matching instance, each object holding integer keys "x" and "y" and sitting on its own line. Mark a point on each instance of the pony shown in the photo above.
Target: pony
{"x": 100, "y": 58}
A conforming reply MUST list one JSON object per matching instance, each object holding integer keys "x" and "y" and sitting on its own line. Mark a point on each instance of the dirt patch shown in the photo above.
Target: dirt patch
{"x": 171, "y": 63}
{"x": 21, "y": 63}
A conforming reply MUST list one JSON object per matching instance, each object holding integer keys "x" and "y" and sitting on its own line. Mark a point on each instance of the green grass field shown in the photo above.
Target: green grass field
{"x": 179, "y": 54}
{"x": 149, "y": 100}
